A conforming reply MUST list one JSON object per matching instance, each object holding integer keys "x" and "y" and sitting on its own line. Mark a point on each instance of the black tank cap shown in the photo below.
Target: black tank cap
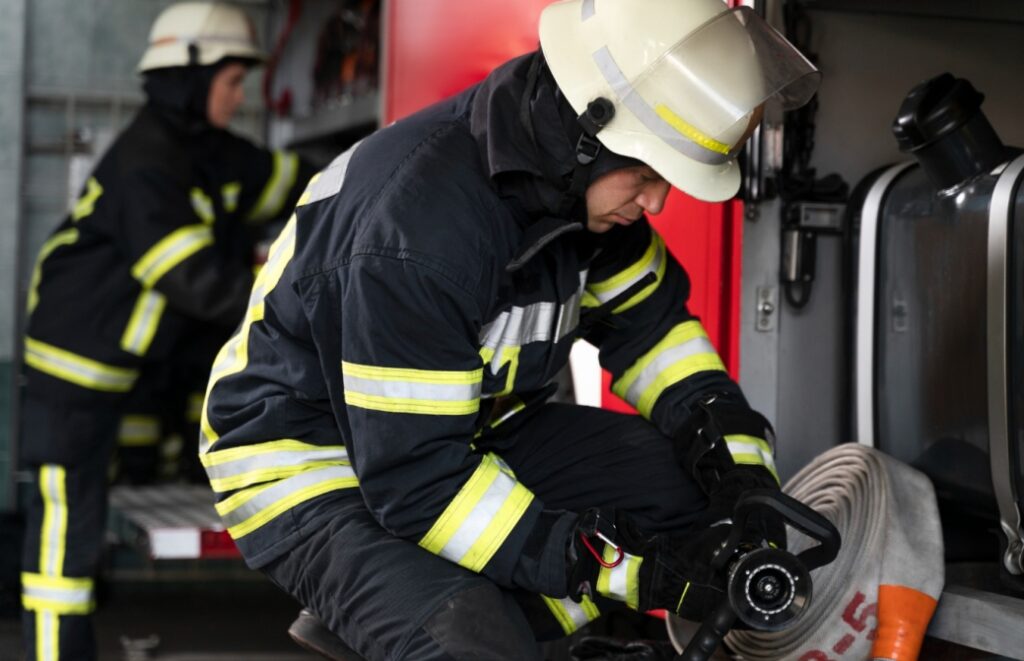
{"x": 934, "y": 109}
{"x": 941, "y": 123}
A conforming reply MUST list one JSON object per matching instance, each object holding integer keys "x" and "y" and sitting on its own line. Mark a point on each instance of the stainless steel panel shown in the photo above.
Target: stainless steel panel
{"x": 932, "y": 392}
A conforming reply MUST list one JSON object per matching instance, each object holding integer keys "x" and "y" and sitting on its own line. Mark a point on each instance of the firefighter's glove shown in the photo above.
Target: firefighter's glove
{"x": 763, "y": 526}
{"x": 728, "y": 448}
{"x": 595, "y": 538}
{"x": 610, "y": 557}
{"x": 677, "y": 574}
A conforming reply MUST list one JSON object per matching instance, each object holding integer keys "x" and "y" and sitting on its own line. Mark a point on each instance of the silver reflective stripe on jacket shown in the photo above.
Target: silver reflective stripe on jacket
{"x": 246, "y": 466}
{"x": 247, "y": 510}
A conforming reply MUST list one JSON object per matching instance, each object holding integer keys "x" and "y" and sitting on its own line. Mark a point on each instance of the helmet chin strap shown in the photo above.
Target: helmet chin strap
{"x": 599, "y": 112}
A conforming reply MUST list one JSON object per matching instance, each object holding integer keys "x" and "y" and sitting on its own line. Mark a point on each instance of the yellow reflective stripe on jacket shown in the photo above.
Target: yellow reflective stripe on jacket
{"x": 57, "y": 594}
{"x": 652, "y": 261}
{"x": 480, "y": 517}
{"x": 202, "y": 205}
{"x": 241, "y": 467}
{"x": 87, "y": 203}
{"x": 170, "y": 251}
{"x": 621, "y": 582}
{"x": 570, "y": 615}
{"x": 684, "y": 351}
{"x": 229, "y": 194}
{"x": 234, "y": 355}
{"x": 62, "y": 238}
{"x": 138, "y": 430}
{"x": 247, "y": 510}
{"x": 275, "y": 192}
{"x": 76, "y": 369}
{"x": 752, "y": 451}
{"x": 141, "y": 329}
{"x": 401, "y": 390}
{"x": 502, "y": 339}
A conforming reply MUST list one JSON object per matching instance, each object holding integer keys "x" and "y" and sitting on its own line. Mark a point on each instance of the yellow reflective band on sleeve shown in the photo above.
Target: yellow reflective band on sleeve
{"x": 62, "y": 238}
{"x": 141, "y": 329}
{"x": 684, "y": 351}
{"x": 242, "y": 467}
{"x": 480, "y": 517}
{"x": 275, "y": 192}
{"x": 87, "y": 203}
{"x": 170, "y": 251}
{"x": 652, "y": 261}
{"x": 234, "y": 355}
{"x": 57, "y": 594}
{"x": 621, "y": 582}
{"x": 229, "y": 194}
{"x": 688, "y": 130}
{"x": 138, "y": 430}
{"x": 570, "y": 615}
{"x": 752, "y": 451}
{"x": 247, "y": 510}
{"x": 76, "y": 369}
{"x": 402, "y": 390}
{"x": 202, "y": 205}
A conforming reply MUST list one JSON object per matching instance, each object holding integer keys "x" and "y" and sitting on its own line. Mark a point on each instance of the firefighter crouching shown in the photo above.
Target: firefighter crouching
{"x": 377, "y": 432}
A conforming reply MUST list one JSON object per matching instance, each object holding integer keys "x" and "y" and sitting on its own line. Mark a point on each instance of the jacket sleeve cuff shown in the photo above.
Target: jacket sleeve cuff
{"x": 541, "y": 566}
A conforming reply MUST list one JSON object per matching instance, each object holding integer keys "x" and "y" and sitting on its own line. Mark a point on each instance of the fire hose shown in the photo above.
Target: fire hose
{"x": 874, "y": 601}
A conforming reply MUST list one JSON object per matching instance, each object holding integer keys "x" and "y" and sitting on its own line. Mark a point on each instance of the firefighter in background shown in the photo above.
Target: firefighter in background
{"x": 154, "y": 251}
{"x": 377, "y": 431}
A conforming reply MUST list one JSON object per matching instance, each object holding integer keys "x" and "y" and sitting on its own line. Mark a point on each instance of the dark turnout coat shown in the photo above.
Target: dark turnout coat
{"x": 423, "y": 291}
{"x": 154, "y": 243}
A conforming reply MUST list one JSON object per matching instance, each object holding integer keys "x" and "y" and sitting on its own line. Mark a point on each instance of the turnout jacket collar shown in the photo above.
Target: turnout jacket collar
{"x": 532, "y": 172}
{"x": 513, "y": 158}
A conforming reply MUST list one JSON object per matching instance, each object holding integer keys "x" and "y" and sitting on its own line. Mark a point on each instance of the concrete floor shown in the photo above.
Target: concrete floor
{"x": 187, "y": 622}
{"x": 248, "y": 621}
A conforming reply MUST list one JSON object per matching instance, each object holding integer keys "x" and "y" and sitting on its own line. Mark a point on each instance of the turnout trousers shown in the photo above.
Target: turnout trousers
{"x": 67, "y": 448}
{"x": 387, "y": 598}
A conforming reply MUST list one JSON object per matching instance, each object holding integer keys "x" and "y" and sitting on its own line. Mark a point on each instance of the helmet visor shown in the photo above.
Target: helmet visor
{"x": 707, "y": 87}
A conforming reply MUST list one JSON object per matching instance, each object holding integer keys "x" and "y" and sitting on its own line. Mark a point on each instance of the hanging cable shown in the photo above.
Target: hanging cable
{"x": 797, "y": 180}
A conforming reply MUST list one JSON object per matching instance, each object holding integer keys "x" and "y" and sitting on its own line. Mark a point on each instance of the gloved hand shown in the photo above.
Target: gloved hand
{"x": 763, "y": 525}
{"x": 610, "y": 557}
{"x": 728, "y": 448}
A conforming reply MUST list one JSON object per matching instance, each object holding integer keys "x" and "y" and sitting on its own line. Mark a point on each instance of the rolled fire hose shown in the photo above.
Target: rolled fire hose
{"x": 876, "y": 599}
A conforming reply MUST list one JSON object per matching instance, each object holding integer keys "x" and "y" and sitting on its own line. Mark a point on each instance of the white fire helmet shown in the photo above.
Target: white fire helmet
{"x": 687, "y": 79}
{"x": 200, "y": 33}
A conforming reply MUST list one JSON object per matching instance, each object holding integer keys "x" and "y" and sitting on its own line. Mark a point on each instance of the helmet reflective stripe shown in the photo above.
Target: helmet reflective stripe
{"x": 670, "y": 134}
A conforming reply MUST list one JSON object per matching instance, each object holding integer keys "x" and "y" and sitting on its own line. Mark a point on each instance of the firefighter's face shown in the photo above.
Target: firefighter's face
{"x": 226, "y": 94}
{"x": 621, "y": 197}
